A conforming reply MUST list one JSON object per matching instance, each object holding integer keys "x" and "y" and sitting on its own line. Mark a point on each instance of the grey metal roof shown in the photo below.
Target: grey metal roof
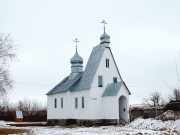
{"x": 65, "y": 84}
{"x": 112, "y": 89}
{"x": 84, "y": 80}
{"x": 91, "y": 68}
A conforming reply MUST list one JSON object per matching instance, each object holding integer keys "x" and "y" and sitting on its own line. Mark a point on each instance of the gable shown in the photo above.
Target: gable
{"x": 94, "y": 67}
{"x": 108, "y": 73}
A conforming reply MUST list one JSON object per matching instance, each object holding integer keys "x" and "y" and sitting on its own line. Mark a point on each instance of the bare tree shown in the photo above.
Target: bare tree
{"x": 6, "y": 55}
{"x": 155, "y": 98}
{"x": 163, "y": 101}
{"x": 24, "y": 105}
{"x": 33, "y": 110}
{"x": 175, "y": 95}
{"x": 177, "y": 73}
{"x": 176, "y": 91}
{"x": 36, "y": 106}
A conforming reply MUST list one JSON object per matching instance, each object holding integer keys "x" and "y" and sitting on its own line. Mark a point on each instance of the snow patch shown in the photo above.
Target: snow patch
{"x": 3, "y": 124}
{"x": 170, "y": 126}
{"x": 168, "y": 115}
{"x": 139, "y": 126}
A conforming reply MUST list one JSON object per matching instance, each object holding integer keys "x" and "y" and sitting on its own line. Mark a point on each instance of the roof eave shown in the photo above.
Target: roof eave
{"x": 127, "y": 88}
{"x": 115, "y": 62}
{"x": 65, "y": 79}
{"x": 56, "y": 93}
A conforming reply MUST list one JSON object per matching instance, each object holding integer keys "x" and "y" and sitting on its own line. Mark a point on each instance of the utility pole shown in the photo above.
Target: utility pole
{"x": 156, "y": 107}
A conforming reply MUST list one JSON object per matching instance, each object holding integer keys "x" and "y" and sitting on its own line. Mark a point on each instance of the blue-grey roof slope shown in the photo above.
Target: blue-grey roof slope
{"x": 112, "y": 89}
{"x": 65, "y": 84}
{"x": 91, "y": 68}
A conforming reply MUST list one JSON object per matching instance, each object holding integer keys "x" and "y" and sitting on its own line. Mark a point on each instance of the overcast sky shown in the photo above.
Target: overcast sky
{"x": 145, "y": 41}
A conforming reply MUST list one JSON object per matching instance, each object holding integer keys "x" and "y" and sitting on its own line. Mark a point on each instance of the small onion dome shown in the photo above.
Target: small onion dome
{"x": 105, "y": 38}
{"x": 76, "y": 59}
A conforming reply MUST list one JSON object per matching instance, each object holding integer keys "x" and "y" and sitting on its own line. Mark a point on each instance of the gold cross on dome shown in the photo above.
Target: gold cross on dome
{"x": 104, "y": 22}
{"x": 76, "y": 40}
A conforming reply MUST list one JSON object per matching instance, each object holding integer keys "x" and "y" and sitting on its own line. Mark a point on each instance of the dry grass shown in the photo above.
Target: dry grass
{"x": 4, "y": 131}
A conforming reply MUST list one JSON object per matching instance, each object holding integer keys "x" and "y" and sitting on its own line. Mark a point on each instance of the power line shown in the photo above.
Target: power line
{"x": 30, "y": 84}
{"x": 149, "y": 85}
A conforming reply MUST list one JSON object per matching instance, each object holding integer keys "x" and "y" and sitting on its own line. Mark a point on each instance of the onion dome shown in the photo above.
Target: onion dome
{"x": 105, "y": 38}
{"x": 76, "y": 59}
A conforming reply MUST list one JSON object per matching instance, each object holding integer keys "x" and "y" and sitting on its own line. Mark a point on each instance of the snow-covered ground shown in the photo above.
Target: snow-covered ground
{"x": 137, "y": 127}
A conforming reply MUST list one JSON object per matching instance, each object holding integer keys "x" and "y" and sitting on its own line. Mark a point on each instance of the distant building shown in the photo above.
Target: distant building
{"x": 150, "y": 112}
{"x": 173, "y": 105}
{"x": 18, "y": 116}
{"x": 145, "y": 111}
{"x": 97, "y": 95}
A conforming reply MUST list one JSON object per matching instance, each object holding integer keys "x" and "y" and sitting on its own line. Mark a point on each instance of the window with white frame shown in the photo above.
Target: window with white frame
{"x": 114, "y": 79}
{"x": 55, "y": 103}
{"x": 107, "y": 63}
{"x": 61, "y": 102}
{"x": 82, "y": 102}
{"x": 76, "y": 102}
{"x": 100, "y": 81}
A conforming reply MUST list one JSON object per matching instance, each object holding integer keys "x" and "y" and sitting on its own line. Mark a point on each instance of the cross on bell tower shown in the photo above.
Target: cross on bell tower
{"x": 105, "y": 38}
{"x": 104, "y": 22}
{"x": 76, "y": 40}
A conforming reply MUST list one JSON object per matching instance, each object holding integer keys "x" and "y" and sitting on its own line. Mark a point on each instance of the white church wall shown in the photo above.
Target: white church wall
{"x": 110, "y": 108}
{"x": 58, "y": 112}
{"x": 96, "y": 102}
{"x": 79, "y": 112}
{"x": 69, "y": 111}
{"x": 107, "y": 73}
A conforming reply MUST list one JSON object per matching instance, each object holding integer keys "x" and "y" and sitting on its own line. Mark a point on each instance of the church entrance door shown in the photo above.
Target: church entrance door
{"x": 123, "y": 110}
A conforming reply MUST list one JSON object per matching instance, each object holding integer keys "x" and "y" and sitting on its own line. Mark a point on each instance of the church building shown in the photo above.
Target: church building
{"x": 95, "y": 95}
